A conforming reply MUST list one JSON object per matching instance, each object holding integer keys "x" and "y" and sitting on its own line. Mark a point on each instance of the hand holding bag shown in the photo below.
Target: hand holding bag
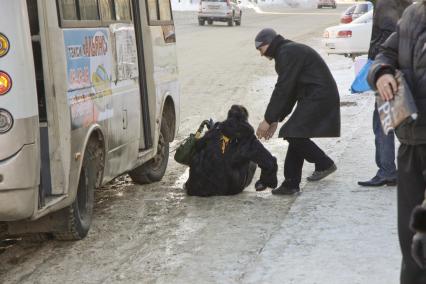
{"x": 186, "y": 150}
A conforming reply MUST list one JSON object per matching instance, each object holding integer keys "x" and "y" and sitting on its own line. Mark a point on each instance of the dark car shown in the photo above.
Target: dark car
{"x": 327, "y": 3}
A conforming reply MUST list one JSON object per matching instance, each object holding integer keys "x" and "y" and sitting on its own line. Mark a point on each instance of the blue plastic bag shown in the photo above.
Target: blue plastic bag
{"x": 360, "y": 84}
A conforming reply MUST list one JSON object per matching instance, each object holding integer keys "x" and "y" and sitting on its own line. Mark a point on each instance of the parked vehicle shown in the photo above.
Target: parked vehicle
{"x": 95, "y": 95}
{"x": 228, "y": 11}
{"x": 355, "y": 11}
{"x": 361, "y": 9}
{"x": 327, "y": 3}
{"x": 346, "y": 17}
{"x": 351, "y": 39}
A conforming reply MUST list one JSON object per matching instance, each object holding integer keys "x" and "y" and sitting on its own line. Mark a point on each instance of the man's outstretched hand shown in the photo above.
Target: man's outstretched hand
{"x": 271, "y": 130}
{"x": 262, "y": 129}
{"x": 266, "y": 130}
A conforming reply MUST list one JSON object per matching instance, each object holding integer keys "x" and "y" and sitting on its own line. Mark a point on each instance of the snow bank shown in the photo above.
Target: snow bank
{"x": 182, "y": 5}
{"x": 192, "y": 5}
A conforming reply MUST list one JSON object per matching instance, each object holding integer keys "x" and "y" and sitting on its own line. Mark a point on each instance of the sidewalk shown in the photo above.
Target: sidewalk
{"x": 336, "y": 232}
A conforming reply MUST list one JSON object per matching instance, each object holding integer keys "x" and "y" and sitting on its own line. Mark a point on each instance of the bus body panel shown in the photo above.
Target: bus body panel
{"x": 166, "y": 69}
{"x": 162, "y": 72}
{"x": 114, "y": 103}
{"x": 19, "y": 147}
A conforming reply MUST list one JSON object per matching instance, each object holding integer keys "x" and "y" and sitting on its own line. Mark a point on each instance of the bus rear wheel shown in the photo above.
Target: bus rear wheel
{"x": 79, "y": 214}
{"x": 153, "y": 170}
{"x": 35, "y": 238}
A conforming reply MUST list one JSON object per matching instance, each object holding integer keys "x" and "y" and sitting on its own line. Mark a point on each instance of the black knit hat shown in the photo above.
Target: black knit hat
{"x": 264, "y": 37}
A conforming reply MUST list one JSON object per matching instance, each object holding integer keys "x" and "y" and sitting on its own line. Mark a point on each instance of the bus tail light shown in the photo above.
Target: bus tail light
{"x": 6, "y": 121}
{"x": 5, "y": 83}
{"x": 4, "y": 45}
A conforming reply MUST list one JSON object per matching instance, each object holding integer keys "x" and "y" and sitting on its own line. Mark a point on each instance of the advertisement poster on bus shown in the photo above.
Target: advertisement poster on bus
{"x": 89, "y": 66}
{"x": 126, "y": 55}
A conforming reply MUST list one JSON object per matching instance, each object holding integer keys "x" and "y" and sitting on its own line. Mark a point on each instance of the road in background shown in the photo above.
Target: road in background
{"x": 218, "y": 64}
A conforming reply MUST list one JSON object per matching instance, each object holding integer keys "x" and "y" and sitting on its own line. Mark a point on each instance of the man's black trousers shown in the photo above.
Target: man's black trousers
{"x": 411, "y": 192}
{"x": 299, "y": 150}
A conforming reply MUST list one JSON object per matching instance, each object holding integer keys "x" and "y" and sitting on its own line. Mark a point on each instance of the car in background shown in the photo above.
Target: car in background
{"x": 346, "y": 17}
{"x": 228, "y": 11}
{"x": 326, "y": 3}
{"x": 352, "y": 39}
{"x": 355, "y": 11}
{"x": 361, "y": 9}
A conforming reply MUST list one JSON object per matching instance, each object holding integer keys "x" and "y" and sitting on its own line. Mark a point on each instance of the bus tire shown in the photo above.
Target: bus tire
{"x": 35, "y": 238}
{"x": 154, "y": 169}
{"x": 79, "y": 214}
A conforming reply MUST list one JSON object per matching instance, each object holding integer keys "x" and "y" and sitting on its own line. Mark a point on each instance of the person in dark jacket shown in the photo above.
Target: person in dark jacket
{"x": 386, "y": 16}
{"x": 303, "y": 80}
{"x": 405, "y": 50}
{"x": 225, "y": 159}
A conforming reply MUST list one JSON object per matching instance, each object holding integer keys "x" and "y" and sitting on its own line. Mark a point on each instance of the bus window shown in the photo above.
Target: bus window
{"x": 122, "y": 8}
{"x": 89, "y": 10}
{"x": 107, "y": 10}
{"x": 165, "y": 13}
{"x": 69, "y": 10}
{"x": 152, "y": 9}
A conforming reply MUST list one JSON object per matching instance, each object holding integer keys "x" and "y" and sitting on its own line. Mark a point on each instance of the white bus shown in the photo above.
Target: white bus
{"x": 88, "y": 91}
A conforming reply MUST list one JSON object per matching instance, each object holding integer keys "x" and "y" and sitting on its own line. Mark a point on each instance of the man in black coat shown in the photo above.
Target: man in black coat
{"x": 303, "y": 80}
{"x": 225, "y": 159}
{"x": 386, "y": 16}
{"x": 406, "y": 50}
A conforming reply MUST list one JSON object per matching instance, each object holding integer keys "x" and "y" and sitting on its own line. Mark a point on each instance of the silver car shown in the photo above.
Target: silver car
{"x": 220, "y": 11}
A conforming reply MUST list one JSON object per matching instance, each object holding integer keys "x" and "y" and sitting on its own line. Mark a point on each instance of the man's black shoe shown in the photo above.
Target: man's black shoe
{"x": 319, "y": 175}
{"x": 377, "y": 181}
{"x": 286, "y": 190}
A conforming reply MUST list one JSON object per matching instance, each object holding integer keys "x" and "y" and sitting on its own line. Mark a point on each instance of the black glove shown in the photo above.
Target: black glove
{"x": 418, "y": 249}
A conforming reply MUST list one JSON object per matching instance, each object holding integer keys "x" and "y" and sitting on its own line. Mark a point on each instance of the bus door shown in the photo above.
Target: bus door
{"x": 146, "y": 143}
{"x": 45, "y": 187}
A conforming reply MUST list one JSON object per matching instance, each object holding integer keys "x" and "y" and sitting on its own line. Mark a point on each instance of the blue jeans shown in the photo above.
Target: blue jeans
{"x": 385, "y": 149}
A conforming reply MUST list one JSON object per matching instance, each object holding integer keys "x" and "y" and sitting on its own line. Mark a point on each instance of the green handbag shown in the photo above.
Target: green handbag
{"x": 186, "y": 150}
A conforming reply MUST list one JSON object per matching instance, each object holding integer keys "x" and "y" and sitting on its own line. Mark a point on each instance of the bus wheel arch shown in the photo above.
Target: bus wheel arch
{"x": 154, "y": 169}
{"x": 168, "y": 119}
{"x": 79, "y": 214}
